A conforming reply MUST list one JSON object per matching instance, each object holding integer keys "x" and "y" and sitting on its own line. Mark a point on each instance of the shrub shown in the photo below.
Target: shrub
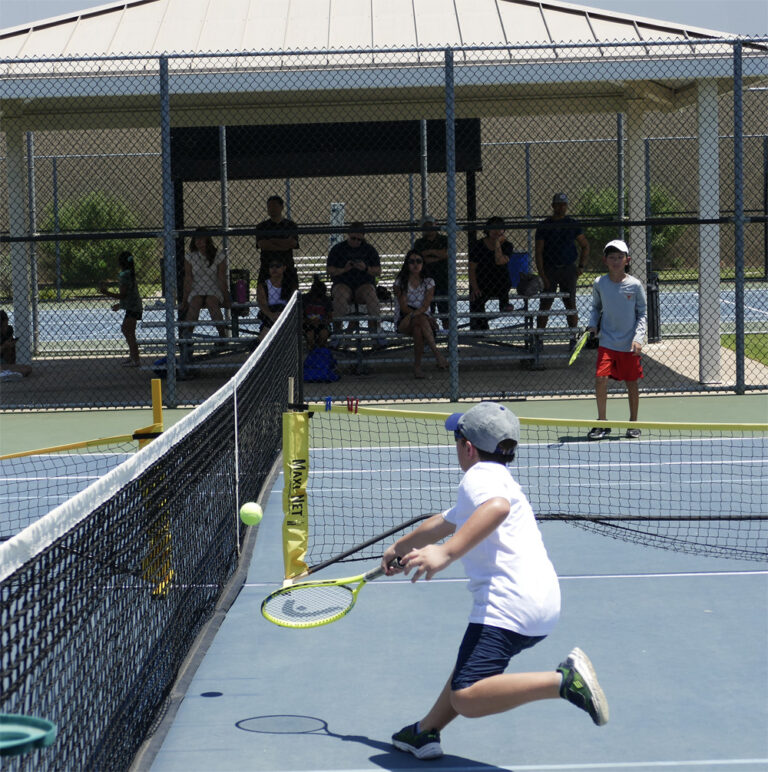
{"x": 602, "y": 202}
{"x": 90, "y": 261}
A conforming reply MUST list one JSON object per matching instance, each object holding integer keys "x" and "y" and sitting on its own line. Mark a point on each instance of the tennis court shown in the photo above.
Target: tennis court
{"x": 677, "y": 639}
{"x": 148, "y": 575}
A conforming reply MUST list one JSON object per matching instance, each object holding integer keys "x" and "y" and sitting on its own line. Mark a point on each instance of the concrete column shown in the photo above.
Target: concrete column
{"x": 635, "y": 180}
{"x": 20, "y": 252}
{"x": 709, "y": 235}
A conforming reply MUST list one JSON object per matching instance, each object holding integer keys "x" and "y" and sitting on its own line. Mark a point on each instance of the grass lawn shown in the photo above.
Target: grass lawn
{"x": 755, "y": 345}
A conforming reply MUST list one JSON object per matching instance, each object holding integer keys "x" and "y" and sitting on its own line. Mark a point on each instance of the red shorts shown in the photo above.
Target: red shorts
{"x": 619, "y": 365}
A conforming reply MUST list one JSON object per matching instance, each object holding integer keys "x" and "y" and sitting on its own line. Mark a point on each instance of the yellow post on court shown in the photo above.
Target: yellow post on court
{"x": 157, "y": 565}
{"x": 295, "y": 509}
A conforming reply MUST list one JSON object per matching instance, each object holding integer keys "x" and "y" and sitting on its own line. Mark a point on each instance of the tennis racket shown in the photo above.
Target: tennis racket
{"x": 315, "y": 603}
{"x": 578, "y": 347}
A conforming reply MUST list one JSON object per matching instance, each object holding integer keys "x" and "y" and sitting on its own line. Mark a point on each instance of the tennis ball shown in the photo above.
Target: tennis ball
{"x": 251, "y": 513}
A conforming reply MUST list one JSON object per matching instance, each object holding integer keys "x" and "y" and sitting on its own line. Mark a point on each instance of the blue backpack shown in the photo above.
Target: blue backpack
{"x": 320, "y": 366}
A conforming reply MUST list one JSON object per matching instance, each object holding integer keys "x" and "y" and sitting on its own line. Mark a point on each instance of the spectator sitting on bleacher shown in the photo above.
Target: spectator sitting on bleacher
{"x": 433, "y": 247}
{"x": 414, "y": 291}
{"x": 277, "y": 237}
{"x": 205, "y": 281}
{"x": 273, "y": 294}
{"x": 353, "y": 265}
{"x": 318, "y": 314}
{"x": 488, "y": 271}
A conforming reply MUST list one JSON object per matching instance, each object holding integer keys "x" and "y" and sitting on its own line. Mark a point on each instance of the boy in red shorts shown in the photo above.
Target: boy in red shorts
{"x": 619, "y": 306}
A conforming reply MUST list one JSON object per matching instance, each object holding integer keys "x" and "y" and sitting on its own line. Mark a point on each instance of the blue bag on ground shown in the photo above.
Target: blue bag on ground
{"x": 320, "y": 366}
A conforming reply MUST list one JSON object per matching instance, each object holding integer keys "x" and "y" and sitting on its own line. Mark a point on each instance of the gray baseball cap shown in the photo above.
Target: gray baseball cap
{"x": 560, "y": 198}
{"x": 486, "y": 426}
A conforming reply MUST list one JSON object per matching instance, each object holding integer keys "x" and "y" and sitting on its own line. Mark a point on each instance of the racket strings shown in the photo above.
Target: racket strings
{"x": 309, "y": 605}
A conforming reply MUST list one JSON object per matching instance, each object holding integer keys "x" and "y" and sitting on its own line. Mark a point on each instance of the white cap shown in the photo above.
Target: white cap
{"x": 486, "y": 426}
{"x": 616, "y": 244}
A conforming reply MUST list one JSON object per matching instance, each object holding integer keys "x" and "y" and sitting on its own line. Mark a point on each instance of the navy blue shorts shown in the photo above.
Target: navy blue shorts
{"x": 486, "y": 651}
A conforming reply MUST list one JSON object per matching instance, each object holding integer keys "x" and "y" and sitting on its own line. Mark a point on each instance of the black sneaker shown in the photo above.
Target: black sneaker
{"x": 423, "y": 745}
{"x": 580, "y": 686}
{"x": 632, "y": 434}
{"x": 598, "y": 433}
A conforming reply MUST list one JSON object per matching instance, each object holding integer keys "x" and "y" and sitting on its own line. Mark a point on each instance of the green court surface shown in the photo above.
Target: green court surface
{"x": 27, "y": 431}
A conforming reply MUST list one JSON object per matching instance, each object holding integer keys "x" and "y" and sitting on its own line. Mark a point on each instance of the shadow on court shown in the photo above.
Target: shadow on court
{"x": 389, "y": 758}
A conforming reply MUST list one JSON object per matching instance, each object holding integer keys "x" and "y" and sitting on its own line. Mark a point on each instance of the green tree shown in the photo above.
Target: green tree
{"x": 602, "y": 202}
{"x": 89, "y": 261}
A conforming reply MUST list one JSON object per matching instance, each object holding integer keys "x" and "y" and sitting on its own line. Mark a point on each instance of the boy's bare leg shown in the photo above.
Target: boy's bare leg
{"x": 633, "y": 392}
{"x": 441, "y": 713}
{"x": 504, "y": 692}
{"x": 601, "y": 395}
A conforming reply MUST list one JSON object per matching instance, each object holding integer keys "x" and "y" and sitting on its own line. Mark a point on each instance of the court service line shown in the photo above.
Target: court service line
{"x": 562, "y": 578}
{"x": 708, "y": 763}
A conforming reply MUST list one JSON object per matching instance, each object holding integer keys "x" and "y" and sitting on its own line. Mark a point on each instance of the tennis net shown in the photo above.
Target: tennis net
{"x": 687, "y": 487}
{"x": 102, "y": 598}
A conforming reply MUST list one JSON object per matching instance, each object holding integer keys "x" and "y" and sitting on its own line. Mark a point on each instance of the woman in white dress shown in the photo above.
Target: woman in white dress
{"x": 205, "y": 281}
{"x": 414, "y": 293}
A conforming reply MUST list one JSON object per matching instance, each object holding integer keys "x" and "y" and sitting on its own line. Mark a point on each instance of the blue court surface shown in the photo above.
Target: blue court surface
{"x": 678, "y": 642}
{"x": 31, "y": 486}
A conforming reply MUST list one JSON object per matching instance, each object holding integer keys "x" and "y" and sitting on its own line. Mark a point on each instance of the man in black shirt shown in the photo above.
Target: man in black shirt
{"x": 277, "y": 237}
{"x": 353, "y": 265}
{"x": 561, "y": 253}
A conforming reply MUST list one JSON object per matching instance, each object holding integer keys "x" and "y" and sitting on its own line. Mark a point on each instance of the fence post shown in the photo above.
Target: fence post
{"x": 169, "y": 244}
{"x": 32, "y": 221}
{"x": 620, "y": 170}
{"x": 738, "y": 211}
{"x": 450, "y": 224}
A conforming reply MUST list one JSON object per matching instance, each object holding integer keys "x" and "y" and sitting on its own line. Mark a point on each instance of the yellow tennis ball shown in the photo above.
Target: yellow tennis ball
{"x": 251, "y": 513}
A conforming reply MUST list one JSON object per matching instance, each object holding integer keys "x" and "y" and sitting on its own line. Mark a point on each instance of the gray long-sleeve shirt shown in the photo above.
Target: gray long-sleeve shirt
{"x": 620, "y": 309}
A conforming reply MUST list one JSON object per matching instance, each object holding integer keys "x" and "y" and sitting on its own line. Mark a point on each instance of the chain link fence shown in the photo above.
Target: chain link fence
{"x": 262, "y": 163}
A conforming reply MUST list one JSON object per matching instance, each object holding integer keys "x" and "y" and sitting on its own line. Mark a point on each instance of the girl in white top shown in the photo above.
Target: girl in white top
{"x": 515, "y": 591}
{"x": 205, "y": 281}
{"x": 414, "y": 293}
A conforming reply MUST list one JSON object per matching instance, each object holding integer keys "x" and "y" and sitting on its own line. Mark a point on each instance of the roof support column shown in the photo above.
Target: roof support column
{"x": 21, "y": 252}
{"x": 709, "y": 235}
{"x": 636, "y": 187}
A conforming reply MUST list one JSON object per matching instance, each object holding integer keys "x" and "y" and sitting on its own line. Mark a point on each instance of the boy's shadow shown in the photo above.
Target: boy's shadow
{"x": 387, "y": 758}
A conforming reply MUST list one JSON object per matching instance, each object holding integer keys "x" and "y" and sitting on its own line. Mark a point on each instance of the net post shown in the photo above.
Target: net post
{"x": 157, "y": 402}
{"x": 295, "y": 475}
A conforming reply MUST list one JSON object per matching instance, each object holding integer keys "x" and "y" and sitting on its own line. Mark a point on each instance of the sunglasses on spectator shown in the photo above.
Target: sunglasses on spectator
{"x": 355, "y": 238}
{"x": 415, "y": 261}
{"x": 276, "y": 265}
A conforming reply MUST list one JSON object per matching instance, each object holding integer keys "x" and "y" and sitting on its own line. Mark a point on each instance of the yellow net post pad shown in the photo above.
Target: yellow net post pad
{"x": 295, "y": 473}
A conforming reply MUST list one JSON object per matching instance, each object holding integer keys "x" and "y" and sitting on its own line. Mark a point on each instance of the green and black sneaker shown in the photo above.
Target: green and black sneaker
{"x": 581, "y": 688}
{"x": 423, "y": 745}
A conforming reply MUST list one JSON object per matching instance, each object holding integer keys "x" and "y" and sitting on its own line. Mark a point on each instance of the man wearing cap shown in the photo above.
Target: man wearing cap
{"x": 433, "y": 247}
{"x": 619, "y": 307}
{"x": 561, "y": 253}
{"x": 353, "y": 265}
{"x": 515, "y": 590}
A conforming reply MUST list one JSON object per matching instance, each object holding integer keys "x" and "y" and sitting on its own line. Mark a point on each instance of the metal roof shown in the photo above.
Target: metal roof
{"x": 177, "y": 26}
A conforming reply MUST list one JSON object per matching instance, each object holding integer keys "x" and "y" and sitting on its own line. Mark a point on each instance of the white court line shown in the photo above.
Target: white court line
{"x": 562, "y": 578}
{"x": 708, "y": 763}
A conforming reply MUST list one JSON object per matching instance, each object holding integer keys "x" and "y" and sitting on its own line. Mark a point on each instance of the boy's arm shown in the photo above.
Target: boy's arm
{"x": 435, "y": 557}
{"x": 597, "y": 307}
{"x": 641, "y": 320}
{"x": 430, "y": 531}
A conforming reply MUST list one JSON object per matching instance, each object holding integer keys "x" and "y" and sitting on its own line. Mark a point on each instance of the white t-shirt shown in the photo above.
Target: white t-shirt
{"x": 205, "y": 278}
{"x": 512, "y": 581}
{"x": 414, "y": 297}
